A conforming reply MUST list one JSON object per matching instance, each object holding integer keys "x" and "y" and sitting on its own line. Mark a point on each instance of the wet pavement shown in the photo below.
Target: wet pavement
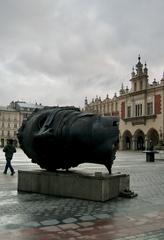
{"x": 40, "y": 217}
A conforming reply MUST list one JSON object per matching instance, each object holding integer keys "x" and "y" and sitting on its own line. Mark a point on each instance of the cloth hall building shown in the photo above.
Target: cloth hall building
{"x": 140, "y": 109}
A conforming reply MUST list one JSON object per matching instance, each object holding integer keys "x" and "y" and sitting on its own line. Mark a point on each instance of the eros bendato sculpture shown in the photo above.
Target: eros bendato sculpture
{"x": 64, "y": 137}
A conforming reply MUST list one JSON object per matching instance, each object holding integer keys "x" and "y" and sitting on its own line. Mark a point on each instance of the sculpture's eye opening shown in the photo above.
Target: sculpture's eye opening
{"x": 42, "y": 121}
{"x": 115, "y": 123}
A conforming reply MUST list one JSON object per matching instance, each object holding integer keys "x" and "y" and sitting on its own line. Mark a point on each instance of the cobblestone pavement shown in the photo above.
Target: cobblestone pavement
{"x": 40, "y": 217}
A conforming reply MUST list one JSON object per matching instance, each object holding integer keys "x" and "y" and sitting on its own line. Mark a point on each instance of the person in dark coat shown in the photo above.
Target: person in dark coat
{"x": 9, "y": 150}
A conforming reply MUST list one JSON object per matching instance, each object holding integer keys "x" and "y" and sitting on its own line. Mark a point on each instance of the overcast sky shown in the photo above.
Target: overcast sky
{"x": 57, "y": 52}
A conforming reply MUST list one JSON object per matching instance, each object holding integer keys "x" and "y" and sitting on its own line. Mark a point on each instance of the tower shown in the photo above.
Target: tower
{"x": 139, "y": 79}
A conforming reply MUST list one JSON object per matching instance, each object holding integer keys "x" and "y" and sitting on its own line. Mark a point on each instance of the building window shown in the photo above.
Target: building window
{"x": 149, "y": 108}
{"x": 129, "y": 111}
{"x": 140, "y": 85}
{"x": 138, "y": 110}
{"x": 135, "y": 86}
{"x": 8, "y": 133}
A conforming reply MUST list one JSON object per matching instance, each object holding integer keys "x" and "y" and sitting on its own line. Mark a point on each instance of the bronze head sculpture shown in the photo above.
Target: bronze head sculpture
{"x": 64, "y": 137}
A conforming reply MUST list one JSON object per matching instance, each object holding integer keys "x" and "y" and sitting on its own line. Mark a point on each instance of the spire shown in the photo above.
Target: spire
{"x": 145, "y": 69}
{"x": 122, "y": 91}
{"x": 139, "y": 66}
{"x": 127, "y": 89}
{"x": 86, "y": 101}
{"x": 139, "y": 58}
{"x": 154, "y": 82}
{"x": 133, "y": 73}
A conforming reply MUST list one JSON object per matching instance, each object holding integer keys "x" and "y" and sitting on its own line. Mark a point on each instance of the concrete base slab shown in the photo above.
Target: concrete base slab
{"x": 76, "y": 184}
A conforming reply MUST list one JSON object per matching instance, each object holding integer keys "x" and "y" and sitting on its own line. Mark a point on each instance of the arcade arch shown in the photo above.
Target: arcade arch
{"x": 139, "y": 140}
{"x": 127, "y": 140}
{"x": 152, "y": 135}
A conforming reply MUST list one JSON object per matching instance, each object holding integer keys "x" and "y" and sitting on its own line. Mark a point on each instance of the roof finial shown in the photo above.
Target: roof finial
{"x": 145, "y": 69}
{"x": 86, "y": 101}
{"x": 133, "y": 73}
{"x": 139, "y": 57}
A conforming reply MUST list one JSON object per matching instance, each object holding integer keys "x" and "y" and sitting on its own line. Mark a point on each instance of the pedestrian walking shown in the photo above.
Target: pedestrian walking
{"x": 9, "y": 150}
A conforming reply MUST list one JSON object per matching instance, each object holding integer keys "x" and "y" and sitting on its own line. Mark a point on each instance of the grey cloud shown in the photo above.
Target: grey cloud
{"x": 61, "y": 51}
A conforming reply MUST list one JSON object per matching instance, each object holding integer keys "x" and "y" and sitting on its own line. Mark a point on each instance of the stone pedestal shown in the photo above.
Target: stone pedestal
{"x": 97, "y": 187}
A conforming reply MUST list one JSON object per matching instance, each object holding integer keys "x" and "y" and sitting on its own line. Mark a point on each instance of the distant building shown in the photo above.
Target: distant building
{"x": 141, "y": 110}
{"x": 11, "y": 118}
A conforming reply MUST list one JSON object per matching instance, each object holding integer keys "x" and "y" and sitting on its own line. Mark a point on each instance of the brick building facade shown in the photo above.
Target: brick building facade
{"x": 140, "y": 108}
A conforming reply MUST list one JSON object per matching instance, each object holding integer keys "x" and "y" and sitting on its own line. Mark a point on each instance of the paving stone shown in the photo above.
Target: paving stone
{"x": 86, "y": 224}
{"x": 32, "y": 224}
{"x": 50, "y": 222}
{"x": 86, "y": 229}
{"x": 68, "y": 226}
{"x": 13, "y": 226}
{"x": 87, "y": 218}
{"x": 74, "y": 233}
{"x": 50, "y": 229}
{"x": 69, "y": 220}
{"x": 102, "y": 216}
{"x": 47, "y": 214}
